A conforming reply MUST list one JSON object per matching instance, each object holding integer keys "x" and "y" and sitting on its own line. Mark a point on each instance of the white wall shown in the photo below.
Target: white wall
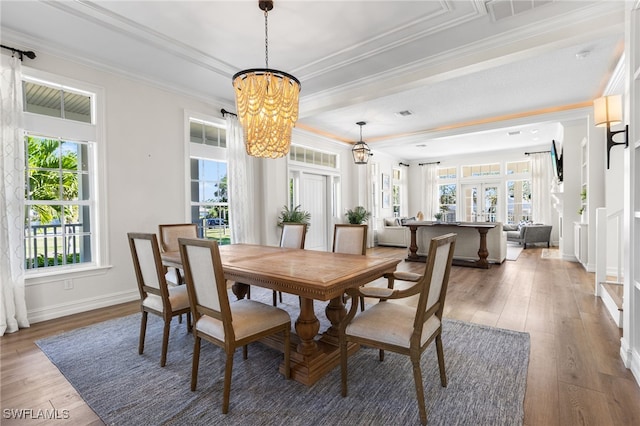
{"x": 145, "y": 184}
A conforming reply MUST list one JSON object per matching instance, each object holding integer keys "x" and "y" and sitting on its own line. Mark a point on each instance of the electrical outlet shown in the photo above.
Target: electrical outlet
{"x": 68, "y": 284}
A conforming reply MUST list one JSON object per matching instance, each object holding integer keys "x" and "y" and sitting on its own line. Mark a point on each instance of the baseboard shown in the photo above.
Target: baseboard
{"x": 631, "y": 359}
{"x": 84, "y": 305}
{"x": 611, "y": 306}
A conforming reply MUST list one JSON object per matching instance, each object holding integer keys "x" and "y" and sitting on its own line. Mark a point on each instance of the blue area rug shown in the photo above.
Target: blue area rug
{"x": 486, "y": 369}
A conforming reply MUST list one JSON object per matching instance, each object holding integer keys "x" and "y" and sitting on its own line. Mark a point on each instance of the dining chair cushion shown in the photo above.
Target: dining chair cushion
{"x": 173, "y": 276}
{"x": 390, "y": 323}
{"x": 349, "y": 239}
{"x": 178, "y": 298}
{"x": 248, "y": 318}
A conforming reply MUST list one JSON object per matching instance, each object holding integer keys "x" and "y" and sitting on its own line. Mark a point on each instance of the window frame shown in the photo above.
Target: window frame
{"x": 201, "y": 151}
{"x": 94, "y": 135}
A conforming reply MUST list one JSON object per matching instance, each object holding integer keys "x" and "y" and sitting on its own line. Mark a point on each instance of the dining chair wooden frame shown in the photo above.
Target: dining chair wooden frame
{"x": 169, "y": 234}
{"x": 350, "y": 239}
{"x": 155, "y": 295}
{"x": 293, "y": 236}
{"x": 401, "y": 328}
{"x": 227, "y": 325}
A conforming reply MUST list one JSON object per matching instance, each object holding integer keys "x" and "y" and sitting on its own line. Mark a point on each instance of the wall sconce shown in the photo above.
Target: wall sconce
{"x": 361, "y": 151}
{"x": 608, "y": 112}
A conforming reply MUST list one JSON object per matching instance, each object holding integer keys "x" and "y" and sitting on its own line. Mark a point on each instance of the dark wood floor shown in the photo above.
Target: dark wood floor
{"x": 576, "y": 376}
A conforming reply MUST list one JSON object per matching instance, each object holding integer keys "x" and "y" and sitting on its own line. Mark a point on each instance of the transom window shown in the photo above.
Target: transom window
{"x": 447, "y": 173}
{"x": 311, "y": 156}
{"x": 518, "y": 167}
{"x": 481, "y": 170}
{"x": 56, "y": 100}
{"x": 202, "y": 132}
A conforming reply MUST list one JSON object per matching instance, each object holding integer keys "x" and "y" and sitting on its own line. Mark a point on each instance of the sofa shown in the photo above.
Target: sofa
{"x": 529, "y": 234}
{"x": 392, "y": 233}
{"x": 467, "y": 242}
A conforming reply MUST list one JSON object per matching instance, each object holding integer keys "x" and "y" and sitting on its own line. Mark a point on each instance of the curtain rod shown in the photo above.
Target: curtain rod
{"x": 424, "y": 164}
{"x": 28, "y": 53}
{"x": 224, "y": 111}
{"x": 403, "y": 164}
{"x": 536, "y": 152}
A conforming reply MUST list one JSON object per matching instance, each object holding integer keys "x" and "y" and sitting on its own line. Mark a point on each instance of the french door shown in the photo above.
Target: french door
{"x": 481, "y": 202}
{"x": 313, "y": 198}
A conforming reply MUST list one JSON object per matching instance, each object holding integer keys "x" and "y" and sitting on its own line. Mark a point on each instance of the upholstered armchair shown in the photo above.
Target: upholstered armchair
{"x": 225, "y": 324}
{"x": 156, "y": 296}
{"x": 399, "y": 327}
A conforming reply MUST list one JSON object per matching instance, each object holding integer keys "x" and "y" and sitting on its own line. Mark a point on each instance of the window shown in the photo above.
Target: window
{"x": 209, "y": 203}
{"x": 448, "y": 200}
{"x": 447, "y": 190}
{"x": 202, "y": 132}
{"x": 396, "y": 192}
{"x": 518, "y": 201}
{"x": 518, "y": 191}
{"x": 311, "y": 156}
{"x": 61, "y": 219}
{"x": 447, "y": 173}
{"x": 58, "y": 202}
{"x": 481, "y": 170}
{"x": 55, "y": 100}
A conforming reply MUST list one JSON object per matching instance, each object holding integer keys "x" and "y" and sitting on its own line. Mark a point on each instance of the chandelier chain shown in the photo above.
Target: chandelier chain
{"x": 266, "y": 40}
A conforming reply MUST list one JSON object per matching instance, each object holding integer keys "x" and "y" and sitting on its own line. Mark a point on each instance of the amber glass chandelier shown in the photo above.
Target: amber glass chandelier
{"x": 267, "y": 104}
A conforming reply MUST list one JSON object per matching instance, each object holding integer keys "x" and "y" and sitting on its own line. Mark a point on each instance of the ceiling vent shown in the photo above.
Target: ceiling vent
{"x": 501, "y": 9}
{"x": 405, "y": 113}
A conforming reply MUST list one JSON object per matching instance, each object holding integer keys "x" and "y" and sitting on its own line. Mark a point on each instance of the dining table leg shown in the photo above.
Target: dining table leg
{"x": 307, "y": 326}
{"x": 335, "y": 312}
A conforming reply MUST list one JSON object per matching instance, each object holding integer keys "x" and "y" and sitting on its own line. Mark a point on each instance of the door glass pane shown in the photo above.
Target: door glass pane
{"x": 471, "y": 203}
{"x": 490, "y": 204}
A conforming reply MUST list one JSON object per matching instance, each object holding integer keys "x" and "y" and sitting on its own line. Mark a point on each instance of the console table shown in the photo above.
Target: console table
{"x": 481, "y": 227}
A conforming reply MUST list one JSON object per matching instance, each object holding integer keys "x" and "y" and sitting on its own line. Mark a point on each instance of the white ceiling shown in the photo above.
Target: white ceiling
{"x": 471, "y": 72}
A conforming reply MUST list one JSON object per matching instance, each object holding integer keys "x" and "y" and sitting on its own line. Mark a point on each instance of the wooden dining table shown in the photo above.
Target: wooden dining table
{"x": 312, "y": 275}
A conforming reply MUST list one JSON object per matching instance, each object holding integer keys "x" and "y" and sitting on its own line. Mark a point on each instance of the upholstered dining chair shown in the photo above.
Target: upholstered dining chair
{"x": 350, "y": 239}
{"x": 155, "y": 295}
{"x": 169, "y": 234}
{"x": 400, "y": 328}
{"x": 293, "y": 236}
{"x": 225, "y": 324}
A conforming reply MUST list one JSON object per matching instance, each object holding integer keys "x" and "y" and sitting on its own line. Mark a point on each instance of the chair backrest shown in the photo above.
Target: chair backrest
{"x": 148, "y": 265}
{"x": 435, "y": 278}
{"x": 204, "y": 278}
{"x": 350, "y": 239}
{"x": 169, "y": 234}
{"x": 293, "y": 235}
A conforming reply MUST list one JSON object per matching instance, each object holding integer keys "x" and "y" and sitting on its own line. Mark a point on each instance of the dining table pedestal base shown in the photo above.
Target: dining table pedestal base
{"x": 308, "y": 369}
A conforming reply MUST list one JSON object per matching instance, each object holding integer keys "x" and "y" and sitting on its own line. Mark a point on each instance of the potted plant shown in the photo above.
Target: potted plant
{"x": 295, "y": 215}
{"x": 438, "y": 216}
{"x": 358, "y": 215}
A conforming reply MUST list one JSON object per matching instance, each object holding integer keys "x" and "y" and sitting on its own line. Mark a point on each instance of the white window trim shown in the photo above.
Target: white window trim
{"x": 67, "y": 129}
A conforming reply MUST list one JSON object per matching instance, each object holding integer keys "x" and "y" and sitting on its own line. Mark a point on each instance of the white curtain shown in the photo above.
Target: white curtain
{"x": 541, "y": 179}
{"x": 13, "y": 307}
{"x": 430, "y": 193}
{"x": 241, "y": 185}
{"x": 368, "y": 201}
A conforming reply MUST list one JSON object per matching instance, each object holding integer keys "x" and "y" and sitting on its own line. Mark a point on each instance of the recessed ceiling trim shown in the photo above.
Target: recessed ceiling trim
{"x": 107, "y": 19}
{"x": 416, "y": 36}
